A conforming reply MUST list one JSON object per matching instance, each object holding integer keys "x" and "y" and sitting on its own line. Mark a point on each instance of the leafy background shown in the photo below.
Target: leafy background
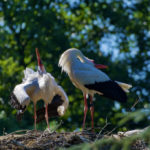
{"x": 113, "y": 32}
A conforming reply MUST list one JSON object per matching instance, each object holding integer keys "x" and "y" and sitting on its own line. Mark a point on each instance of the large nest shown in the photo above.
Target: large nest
{"x": 46, "y": 140}
{"x": 39, "y": 140}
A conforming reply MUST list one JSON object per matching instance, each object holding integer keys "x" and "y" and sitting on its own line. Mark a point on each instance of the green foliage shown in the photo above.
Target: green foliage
{"x": 54, "y": 26}
{"x": 136, "y": 116}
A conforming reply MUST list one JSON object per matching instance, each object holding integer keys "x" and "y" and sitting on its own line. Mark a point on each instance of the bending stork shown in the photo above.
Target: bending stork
{"x": 35, "y": 86}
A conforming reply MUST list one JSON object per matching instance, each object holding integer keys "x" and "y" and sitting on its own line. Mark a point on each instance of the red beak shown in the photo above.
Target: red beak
{"x": 41, "y": 66}
{"x": 100, "y": 66}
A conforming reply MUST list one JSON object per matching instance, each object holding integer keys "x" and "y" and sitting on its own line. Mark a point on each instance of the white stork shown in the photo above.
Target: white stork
{"x": 35, "y": 86}
{"x": 84, "y": 74}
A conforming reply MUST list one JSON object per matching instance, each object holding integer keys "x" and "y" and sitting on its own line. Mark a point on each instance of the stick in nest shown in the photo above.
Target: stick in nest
{"x": 106, "y": 124}
{"x": 136, "y": 102}
{"x": 112, "y": 130}
{"x": 18, "y": 131}
{"x": 51, "y": 132}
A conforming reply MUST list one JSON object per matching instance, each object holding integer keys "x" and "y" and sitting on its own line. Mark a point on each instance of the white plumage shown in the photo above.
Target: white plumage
{"x": 84, "y": 74}
{"x": 124, "y": 86}
{"x": 81, "y": 71}
{"x": 35, "y": 86}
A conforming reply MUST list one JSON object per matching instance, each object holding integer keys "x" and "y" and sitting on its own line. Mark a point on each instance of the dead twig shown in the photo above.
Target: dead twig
{"x": 106, "y": 124}
{"x": 47, "y": 131}
{"x": 61, "y": 122}
{"x": 112, "y": 130}
{"x": 136, "y": 102}
{"x": 18, "y": 132}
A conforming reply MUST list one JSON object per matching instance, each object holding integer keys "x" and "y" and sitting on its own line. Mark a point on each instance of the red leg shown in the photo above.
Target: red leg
{"x": 35, "y": 117}
{"x": 92, "y": 111}
{"x": 85, "y": 110}
{"x": 46, "y": 115}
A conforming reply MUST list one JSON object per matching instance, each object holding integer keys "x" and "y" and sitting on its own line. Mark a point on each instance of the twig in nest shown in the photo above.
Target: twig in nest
{"x": 19, "y": 144}
{"x": 4, "y": 133}
{"x": 61, "y": 122}
{"x": 18, "y": 131}
{"x": 44, "y": 133}
{"x": 106, "y": 124}
{"x": 87, "y": 130}
{"x": 136, "y": 102}
{"x": 112, "y": 130}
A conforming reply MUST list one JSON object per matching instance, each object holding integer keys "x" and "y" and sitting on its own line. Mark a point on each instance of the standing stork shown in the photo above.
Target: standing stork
{"x": 84, "y": 74}
{"x": 35, "y": 86}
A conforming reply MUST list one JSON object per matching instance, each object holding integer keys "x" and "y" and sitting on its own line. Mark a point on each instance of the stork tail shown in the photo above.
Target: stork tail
{"x": 124, "y": 86}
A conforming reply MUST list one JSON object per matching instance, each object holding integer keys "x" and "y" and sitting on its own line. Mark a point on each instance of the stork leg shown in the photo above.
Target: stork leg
{"x": 85, "y": 110}
{"x": 92, "y": 111}
{"x": 46, "y": 115}
{"x": 35, "y": 117}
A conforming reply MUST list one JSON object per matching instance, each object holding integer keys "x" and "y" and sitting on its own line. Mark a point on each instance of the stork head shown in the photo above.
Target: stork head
{"x": 89, "y": 61}
{"x": 41, "y": 67}
{"x": 75, "y": 53}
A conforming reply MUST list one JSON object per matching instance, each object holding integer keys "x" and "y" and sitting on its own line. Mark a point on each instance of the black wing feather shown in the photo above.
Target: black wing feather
{"x": 15, "y": 104}
{"x": 52, "y": 109}
{"x": 110, "y": 89}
